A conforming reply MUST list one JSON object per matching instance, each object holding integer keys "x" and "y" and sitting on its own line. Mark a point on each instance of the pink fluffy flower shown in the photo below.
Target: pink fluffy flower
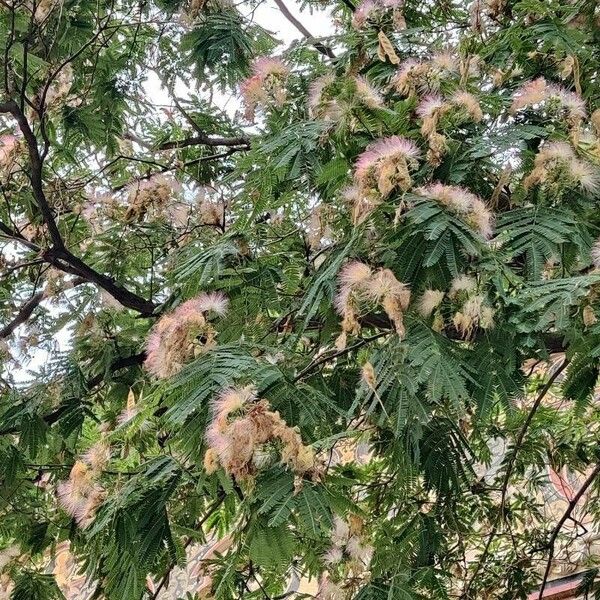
{"x": 265, "y": 86}
{"x": 464, "y": 203}
{"x": 386, "y": 148}
{"x": 532, "y": 92}
{"x": 8, "y": 148}
{"x": 174, "y": 339}
{"x": 363, "y": 13}
{"x": 429, "y": 106}
{"x": 264, "y": 66}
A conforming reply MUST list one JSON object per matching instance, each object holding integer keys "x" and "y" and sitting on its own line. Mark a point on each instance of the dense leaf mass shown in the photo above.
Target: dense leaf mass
{"x": 334, "y": 303}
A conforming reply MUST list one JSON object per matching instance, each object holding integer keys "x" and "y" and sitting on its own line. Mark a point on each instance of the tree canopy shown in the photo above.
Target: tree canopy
{"x": 346, "y": 319}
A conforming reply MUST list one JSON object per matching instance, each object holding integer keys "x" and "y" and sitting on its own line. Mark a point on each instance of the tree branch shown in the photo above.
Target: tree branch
{"x": 59, "y": 255}
{"x": 566, "y": 516}
{"x": 54, "y": 416}
{"x": 24, "y": 313}
{"x": 508, "y": 473}
{"x": 325, "y": 50}
{"x": 36, "y": 170}
{"x": 205, "y": 140}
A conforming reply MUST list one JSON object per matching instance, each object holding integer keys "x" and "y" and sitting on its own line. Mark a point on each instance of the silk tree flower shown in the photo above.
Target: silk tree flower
{"x": 433, "y": 107}
{"x": 385, "y": 165}
{"x": 266, "y": 86}
{"x": 462, "y": 284}
{"x": 330, "y": 590}
{"x": 460, "y": 201}
{"x": 369, "y": 10}
{"x": 80, "y": 496}
{"x": 9, "y": 151}
{"x": 97, "y": 456}
{"x": 557, "y": 167}
{"x": 474, "y": 312}
{"x": 152, "y": 194}
{"x": 539, "y": 91}
{"x": 359, "y": 284}
{"x": 473, "y": 309}
{"x": 367, "y": 94}
{"x": 321, "y": 103}
{"x": 429, "y": 301}
{"x": 180, "y": 334}
{"x": 425, "y": 75}
{"x": 349, "y": 549}
{"x": 244, "y": 432}
{"x": 469, "y": 103}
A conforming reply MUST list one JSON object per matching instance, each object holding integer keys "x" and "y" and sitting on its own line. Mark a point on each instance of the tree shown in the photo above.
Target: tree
{"x": 388, "y": 245}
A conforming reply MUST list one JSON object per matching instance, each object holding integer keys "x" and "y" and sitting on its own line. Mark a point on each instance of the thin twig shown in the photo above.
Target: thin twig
{"x": 566, "y": 516}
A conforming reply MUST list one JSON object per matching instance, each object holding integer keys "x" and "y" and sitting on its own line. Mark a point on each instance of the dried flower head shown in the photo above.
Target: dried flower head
{"x": 429, "y": 301}
{"x": 9, "y": 151}
{"x": 557, "y": 167}
{"x": 469, "y": 103}
{"x": 359, "y": 284}
{"x": 425, "y": 75}
{"x": 152, "y": 194}
{"x": 551, "y": 96}
{"x": 385, "y": 165}
{"x": 80, "y": 496}
{"x": 368, "y": 375}
{"x": 242, "y": 431}
{"x": 474, "y": 312}
{"x": 180, "y": 334}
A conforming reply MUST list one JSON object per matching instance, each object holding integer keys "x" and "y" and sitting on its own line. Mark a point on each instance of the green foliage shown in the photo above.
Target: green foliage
{"x": 329, "y": 304}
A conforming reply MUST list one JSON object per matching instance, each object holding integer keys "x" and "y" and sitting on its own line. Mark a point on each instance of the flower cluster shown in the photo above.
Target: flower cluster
{"x": 556, "y": 166}
{"x": 179, "y": 335}
{"x": 429, "y": 303}
{"x": 433, "y": 107}
{"x": 384, "y": 166}
{"x": 348, "y": 557}
{"x": 424, "y": 76}
{"x": 10, "y": 148}
{"x": 266, "y": 86}
{"x": 460, "y": 201}
{"x": 372, "y": 10}
{"x": 473, "y": 309}
{"x": 81, "y": 494}
{"x": 553, "y": 97}
{"x": 325, "y": 103}
{"x": 43, "y": 8}
{"x": 149, "y": 194}
{"x": 367, "y": 94}
{"x": 60, "y": 88}
{"x": 322, "y": 103}
{"x": 245, "y": 435}
{"x": 318, "y": 229}
{"x": 359, "y": 284}
{"x": 211, "y": 212}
